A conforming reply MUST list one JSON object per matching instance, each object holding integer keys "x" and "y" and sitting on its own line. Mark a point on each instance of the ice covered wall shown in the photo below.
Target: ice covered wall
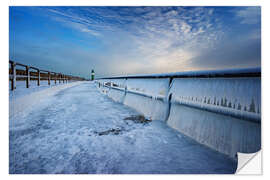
{"x": 221, "y": 113}
{"x": 114, "y": 88}
{"x": 147, "y": 96}
{"x": 116, "y": 95}
{"x": 152, "y": 87}
{"x": 119, "y": 83}
{"x": 240, "y": 97}
{"x": 223, "y": 133}
{"x": 151, "y": 108}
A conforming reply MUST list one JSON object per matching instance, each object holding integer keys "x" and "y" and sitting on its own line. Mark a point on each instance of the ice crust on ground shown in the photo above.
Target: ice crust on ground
{"x": 58, "y": 136}
{"x": 22, "y": 105}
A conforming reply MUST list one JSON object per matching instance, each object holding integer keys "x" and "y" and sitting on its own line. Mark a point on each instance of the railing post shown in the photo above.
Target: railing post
{"x": 13, "y": 81}
{"x": 63, "y": 78}
{"x": 49, "y": 78}
{"x": 55, "y": 78}
{"x": 169, "y": 98}
{"x": 59, "y": 78}
{"x": 38, "y": 82}
{"x": 28, "y": 76}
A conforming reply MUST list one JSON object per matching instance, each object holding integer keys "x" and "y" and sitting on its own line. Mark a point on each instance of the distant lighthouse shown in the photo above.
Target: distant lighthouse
{"x": 92, "y": 75}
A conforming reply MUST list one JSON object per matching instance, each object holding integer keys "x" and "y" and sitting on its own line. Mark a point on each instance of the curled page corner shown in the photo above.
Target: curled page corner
{"x": 249, "y": 163}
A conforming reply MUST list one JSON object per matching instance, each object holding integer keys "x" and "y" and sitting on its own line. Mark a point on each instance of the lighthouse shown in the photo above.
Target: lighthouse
{"x": 92, "y": 75}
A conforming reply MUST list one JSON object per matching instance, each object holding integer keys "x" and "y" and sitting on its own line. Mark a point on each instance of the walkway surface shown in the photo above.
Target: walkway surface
{"x": 80, "y": 130}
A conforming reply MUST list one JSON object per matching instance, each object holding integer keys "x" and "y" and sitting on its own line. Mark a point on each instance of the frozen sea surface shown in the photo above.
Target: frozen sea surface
{"x": 63, "y": 134}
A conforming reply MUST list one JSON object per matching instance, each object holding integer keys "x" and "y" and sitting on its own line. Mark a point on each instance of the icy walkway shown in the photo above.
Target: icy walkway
{"x": 60, "y": 134}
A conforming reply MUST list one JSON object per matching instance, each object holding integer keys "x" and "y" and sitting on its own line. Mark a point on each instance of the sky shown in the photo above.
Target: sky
{"x": 135, "y": 40}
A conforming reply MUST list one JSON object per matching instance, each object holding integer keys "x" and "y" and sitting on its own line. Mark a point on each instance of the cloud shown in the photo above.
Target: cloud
{"x": 158, "y": 34}
{"x": 159, "y": 39}
{"x": 250, "y": 15}
{"x": 230, "y": 54}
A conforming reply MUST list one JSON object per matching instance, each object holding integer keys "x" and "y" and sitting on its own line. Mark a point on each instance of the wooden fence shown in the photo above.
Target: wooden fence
{"x": 29, "y": 73}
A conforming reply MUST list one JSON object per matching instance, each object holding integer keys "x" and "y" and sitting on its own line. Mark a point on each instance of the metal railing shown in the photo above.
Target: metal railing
{"x": 227, "y": 74}
{"x": 220, "y": 109}
{"x": 38, "y": 75}
{"x": 248, "y": 72}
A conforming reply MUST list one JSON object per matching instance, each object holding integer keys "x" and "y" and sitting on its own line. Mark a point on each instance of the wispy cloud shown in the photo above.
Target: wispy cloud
{"x": 162, "y": 39}
{"x": 250, "y": 15}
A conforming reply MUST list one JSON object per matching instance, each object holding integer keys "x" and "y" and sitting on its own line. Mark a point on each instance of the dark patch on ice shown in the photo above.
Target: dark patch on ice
{"x": 113, "y": 131}
{"x": 138, "y": 119}
{"x": 119, "y": 130}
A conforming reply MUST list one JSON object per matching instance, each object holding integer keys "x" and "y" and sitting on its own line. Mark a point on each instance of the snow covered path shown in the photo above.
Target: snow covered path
{"x": 64, "y": 133}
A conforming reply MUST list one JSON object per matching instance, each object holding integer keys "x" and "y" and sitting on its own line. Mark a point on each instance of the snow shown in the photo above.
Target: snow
{"x": 33, "y": 87}
{"x": 24, "y": 102}
{"x": 59, "y": 135}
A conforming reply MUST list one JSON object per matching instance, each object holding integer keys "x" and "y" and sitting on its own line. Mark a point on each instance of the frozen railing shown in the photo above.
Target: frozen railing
{"x": 220, "y": 108}
{"x": 28, "y": 74}
{"x": 231, "y": 92}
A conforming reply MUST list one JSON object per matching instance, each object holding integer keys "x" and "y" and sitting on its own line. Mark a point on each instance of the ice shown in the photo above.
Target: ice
{"x": 222, "y": 133}
{"x": 151, "y": 108}
{"x": 117, "y": 95}
{"x": 206, "y": 73}
{"x": 151, "y": 87}
{"x": 155, "y": 88}
{"x": 120, "y": 83}
{"x": 147, "y": 96}
{"x": 21, "y": 105}
{"x": 237, "y": 97}
{"x": 222, "y": 113}
{"x": 57, "y": 135}
{"x": 232, "y": 96}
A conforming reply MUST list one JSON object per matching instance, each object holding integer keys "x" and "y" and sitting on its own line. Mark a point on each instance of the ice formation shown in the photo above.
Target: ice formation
{"x": 66, "y": 132}
{"x": 202, "y": 105}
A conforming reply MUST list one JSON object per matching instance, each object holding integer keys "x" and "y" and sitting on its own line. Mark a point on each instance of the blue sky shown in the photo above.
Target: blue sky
{"x": 132, "y": 40}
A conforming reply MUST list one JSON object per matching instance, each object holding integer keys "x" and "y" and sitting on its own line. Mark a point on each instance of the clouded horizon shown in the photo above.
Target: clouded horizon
{"x": 135, "y": 40}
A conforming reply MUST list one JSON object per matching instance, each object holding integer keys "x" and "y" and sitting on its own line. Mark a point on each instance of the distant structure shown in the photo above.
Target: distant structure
{"x": 92, "y": 75}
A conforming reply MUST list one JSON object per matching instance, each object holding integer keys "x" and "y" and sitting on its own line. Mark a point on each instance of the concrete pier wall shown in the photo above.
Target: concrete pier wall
{"x": 221, "y": 113}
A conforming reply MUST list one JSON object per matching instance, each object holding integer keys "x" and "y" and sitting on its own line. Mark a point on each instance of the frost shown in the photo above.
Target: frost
{"x": 77, "y": 129}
